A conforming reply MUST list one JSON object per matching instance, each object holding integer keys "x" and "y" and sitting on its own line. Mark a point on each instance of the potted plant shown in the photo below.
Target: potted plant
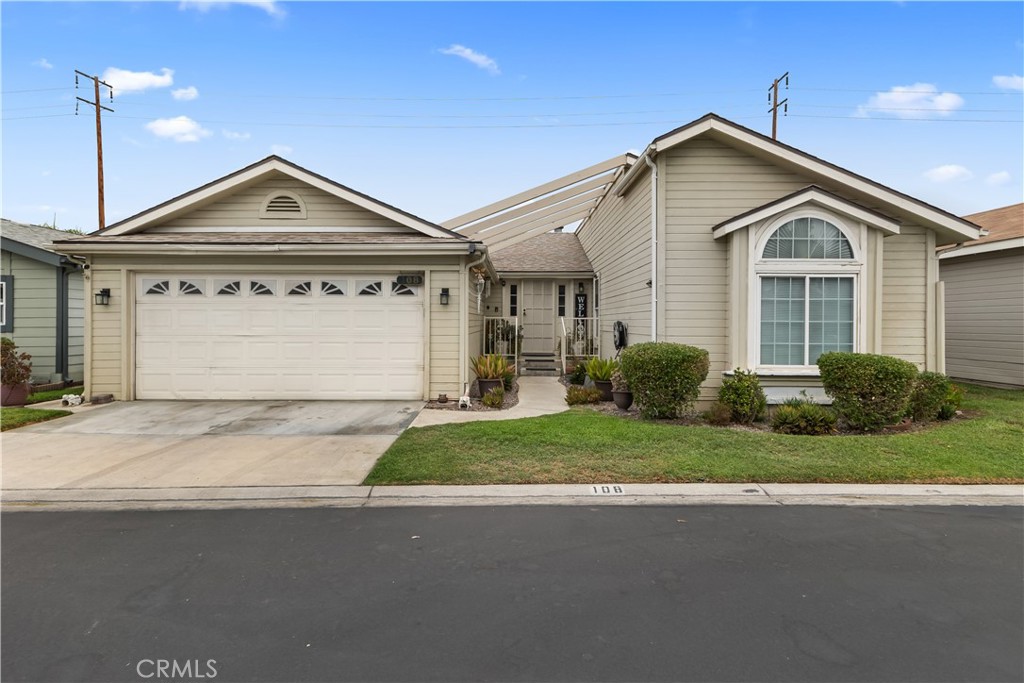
{"x": 600, "y": 371}
{"x": 490, "y": 370}
{"x": 15, "y": 372}
{"x": 621, "y": 394}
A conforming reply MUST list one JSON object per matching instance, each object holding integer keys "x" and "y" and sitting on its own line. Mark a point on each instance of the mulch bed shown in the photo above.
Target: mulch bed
{"x": 511, "y": 399}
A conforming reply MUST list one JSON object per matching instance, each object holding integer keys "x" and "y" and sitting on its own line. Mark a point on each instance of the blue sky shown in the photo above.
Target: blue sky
{"x": 440, "y": 108}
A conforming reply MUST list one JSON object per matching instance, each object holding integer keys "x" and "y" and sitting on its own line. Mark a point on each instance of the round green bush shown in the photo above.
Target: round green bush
{"x": 665, "y": 378}
{"x": 803, "y": 418}
{"x": 743, "y": 394}
{"x": 869, "y": 391}
{"x": 930, "y": 391}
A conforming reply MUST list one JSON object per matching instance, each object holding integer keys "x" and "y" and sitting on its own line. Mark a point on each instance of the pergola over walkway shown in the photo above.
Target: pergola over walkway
{"x": 540, "y": 209}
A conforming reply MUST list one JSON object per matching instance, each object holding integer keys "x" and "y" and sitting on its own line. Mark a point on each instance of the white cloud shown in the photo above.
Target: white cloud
{"x": 269, "y": 6}
{"x": 998, "y": 178}
{"x": 179, "y": 129}
{"x": 916, "y": 101}
{"x": 1013, "y": 82}
{"x": 948, "y": 173}
{"x": 473, "y": 57}
{"x": 234, "y": 135}
{"x": 189, "y": 93}
{"x": 42, "y": 63}
{"x": 280, "y": 150}
{"x": 124, "y": 81}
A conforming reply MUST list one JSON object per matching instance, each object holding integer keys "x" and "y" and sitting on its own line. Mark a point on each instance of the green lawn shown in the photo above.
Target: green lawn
{"x": 12, "y": 418}
{"x": 52, "y": 395}
{"x": 582, "y": 446}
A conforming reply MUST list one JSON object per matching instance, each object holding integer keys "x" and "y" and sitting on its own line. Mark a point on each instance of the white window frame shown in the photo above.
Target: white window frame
{"x": 3, "y": 303}
{"x": 759, "y": 267}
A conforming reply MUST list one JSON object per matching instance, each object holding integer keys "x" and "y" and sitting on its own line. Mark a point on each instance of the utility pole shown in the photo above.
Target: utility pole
{"x": 773, "y": 97}
{"x": 96, "y": 82}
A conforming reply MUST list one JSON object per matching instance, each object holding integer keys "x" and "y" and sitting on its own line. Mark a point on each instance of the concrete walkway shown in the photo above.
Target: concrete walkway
{"x": 537, "y": 396}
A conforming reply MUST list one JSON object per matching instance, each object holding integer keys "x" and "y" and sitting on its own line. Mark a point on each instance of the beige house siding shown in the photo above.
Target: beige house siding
{"x": 707, "y": 182}
{"x": 111, "y": 338}
{"x": 905, "y": 296}
{"x": 985, "y": 316}
{"x": 35, "y": 311}
{"x": 617, "y": 240}
{"x": 242, "y": 208}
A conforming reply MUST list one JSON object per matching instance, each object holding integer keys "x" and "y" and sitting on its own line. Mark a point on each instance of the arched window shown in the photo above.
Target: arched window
{"x": 809, "y": 238}
{"x": 807, "y": 285}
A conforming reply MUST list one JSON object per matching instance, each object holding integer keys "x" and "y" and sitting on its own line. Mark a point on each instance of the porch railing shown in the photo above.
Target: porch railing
{"x": 581, "y": 338}
{"x": 503, "y": 336}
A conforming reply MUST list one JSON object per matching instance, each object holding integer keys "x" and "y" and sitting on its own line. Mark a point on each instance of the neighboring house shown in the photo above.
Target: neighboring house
{"x": 274, "y": 282}
{"x": 41, "y": 301}
{"x": 720, "y": 237}
{"x": 984, "y": 282}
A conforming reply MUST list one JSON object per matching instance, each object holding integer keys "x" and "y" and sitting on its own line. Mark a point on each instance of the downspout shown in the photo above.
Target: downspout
{"x": 469, "y": 269}
{"x": 68, "y": 265}
{"x": 654, "y": 246}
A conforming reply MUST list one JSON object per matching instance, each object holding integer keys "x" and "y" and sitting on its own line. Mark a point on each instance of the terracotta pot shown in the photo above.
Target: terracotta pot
{"x": 14, "y": 394}
{"x": 623, "y": 399}
{"x": 488, "y": 384}
{"x": 606, "y": 388}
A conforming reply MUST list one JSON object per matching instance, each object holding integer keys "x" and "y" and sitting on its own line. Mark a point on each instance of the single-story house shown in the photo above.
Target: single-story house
{"x": 720, "y": 237}
{"x": 41, "y": 301}
{"x": 275, "y": 282}
{"x": 984, "y": 281}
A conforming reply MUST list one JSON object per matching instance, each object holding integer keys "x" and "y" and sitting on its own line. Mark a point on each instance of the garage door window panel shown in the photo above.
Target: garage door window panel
{"x": 228, "y": 287}
{"x": 156, "y": 287}
{"x": 369, "y": 287}
{"x": 192, "y": 287}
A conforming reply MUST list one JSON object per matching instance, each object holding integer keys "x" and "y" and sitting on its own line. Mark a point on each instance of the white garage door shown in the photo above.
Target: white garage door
{"x": 278, "y": 337}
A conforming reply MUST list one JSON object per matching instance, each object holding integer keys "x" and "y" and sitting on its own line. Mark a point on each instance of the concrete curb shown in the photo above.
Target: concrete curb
{"x": 533, "y": 494}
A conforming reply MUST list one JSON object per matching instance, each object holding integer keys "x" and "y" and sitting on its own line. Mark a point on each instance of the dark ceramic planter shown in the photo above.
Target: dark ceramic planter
{"x": 623, "y": 399}
{"x": 488, "y": 384}
{"x": 606, "y": 388}
{"x": 14, "y": 395}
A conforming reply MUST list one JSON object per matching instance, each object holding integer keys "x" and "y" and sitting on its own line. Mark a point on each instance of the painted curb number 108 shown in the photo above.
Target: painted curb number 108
{"x": 607, "y": 490}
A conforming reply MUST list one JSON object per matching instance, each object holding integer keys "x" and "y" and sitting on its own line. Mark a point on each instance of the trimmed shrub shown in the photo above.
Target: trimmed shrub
{"x": 719, "y": 414}
{"x": 15, "y": 368}
{"x": 869, "y": 391}
{"x": 601, "y": 369}
{"x": 665, "y": 378}
{"x": 576, "y": 395}
{"x": 494, "y": 398}
{"x": 804, "y": 418}
{"x": 743, "y": 395}
{"x": 951, "y": 403}
{"x": 930, "y": 391}
{"x": 578, "y": 374}
{"x": 508, "y": 378}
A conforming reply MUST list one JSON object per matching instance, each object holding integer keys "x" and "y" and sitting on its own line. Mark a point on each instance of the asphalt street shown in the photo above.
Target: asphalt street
{"x": 515, "y": 594}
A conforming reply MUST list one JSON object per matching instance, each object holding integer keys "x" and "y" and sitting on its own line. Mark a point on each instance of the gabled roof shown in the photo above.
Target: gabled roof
{"x": 812, "y": 194}
{"x": 943, "y": 222}
{"x": 552, "y": 252}
{"x": 1005, "y": 228}
{"x": 31, "y": 241}
{"x": 256, "y": 171}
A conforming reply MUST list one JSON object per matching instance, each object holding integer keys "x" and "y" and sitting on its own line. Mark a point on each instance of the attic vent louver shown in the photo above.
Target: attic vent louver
{"x": 283, "y": 205}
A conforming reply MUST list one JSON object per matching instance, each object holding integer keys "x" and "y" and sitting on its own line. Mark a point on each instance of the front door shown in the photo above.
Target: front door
{"x": 538, "y": 316}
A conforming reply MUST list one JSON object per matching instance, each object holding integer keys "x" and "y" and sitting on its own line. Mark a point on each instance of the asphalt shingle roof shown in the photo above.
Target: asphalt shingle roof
{"x": 1002, "y": 224}
{"x": 38, "y": 236}
{"x": 552, "y": 252}
{"x": 267, "y": 238}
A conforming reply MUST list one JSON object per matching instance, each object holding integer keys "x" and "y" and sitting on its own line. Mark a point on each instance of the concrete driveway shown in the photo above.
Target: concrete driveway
{"x": 165, "y": 444}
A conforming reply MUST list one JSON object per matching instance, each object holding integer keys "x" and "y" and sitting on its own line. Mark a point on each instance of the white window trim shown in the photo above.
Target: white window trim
{"x": 3, "y": 303}
{"x": 758, "y": 267}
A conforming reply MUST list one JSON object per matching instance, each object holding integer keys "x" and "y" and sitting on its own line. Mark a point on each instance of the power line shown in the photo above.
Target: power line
{"x": 868, "y": 118}
{"x": 867, "y": 108}
{"x": 918, "y": 92}
{"x": 41, "y": 116}
{"x": 15, "y": 92}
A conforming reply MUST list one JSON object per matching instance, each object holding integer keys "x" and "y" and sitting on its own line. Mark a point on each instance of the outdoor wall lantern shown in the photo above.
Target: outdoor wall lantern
{"x": 581, "y": 288}
{"x": 103, "y": 297}
{"x": 444, "y": 296}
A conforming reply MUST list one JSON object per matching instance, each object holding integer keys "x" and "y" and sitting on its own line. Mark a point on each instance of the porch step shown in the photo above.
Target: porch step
{"x": 539, "y": 364}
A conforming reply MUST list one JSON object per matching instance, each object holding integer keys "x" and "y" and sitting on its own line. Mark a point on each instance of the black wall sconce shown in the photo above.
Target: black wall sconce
{"x": 581, "y": 288}
{"x": 444, "y": 296}
{"x": 103, "y": 297}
